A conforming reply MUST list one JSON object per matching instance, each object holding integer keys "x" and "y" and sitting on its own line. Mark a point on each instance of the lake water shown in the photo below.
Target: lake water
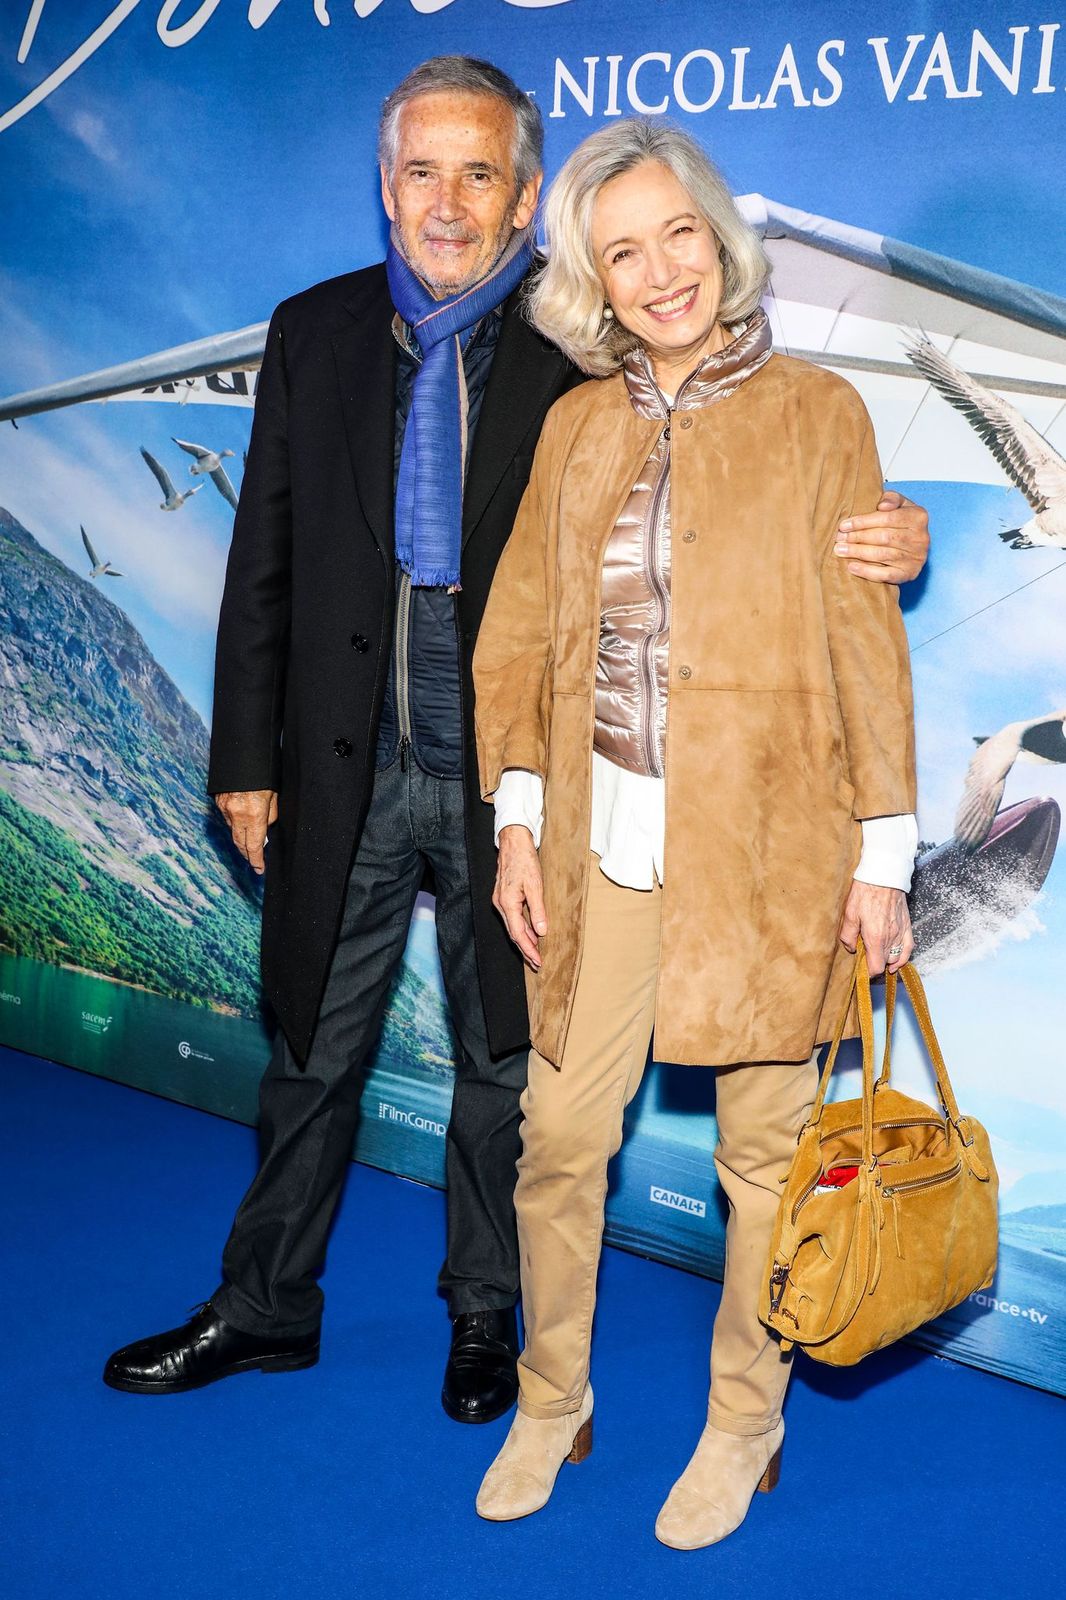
{"x": 663, "y": 1202}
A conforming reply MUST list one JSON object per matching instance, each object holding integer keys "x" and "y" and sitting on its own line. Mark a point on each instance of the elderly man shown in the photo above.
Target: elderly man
{"x": 378, "y": 496}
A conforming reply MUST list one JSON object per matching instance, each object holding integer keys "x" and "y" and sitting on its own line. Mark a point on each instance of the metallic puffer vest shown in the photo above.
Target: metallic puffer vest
{"x": 632, "y": 672}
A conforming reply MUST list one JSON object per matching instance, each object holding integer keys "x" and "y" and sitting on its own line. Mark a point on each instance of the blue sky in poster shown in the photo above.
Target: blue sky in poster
{"x": 235, "y": 168}
{"x": 161, "y": 194}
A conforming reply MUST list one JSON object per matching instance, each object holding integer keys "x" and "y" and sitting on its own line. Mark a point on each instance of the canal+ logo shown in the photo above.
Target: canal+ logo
{"x": 678, "y": 1202}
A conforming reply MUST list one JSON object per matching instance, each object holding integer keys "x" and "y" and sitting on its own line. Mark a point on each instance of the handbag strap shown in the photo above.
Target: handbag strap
{"x": 920, "y": 1004}
{"x": 890, "y": 1013}
{"x": 916, "y": 994}
{"x": 860, "y": 988}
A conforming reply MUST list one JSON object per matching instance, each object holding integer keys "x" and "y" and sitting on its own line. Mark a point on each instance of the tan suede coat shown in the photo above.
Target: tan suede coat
{"x": 789, "y": 709}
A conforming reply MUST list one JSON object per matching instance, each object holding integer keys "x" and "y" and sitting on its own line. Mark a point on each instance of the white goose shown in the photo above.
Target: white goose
{"x": 1028, "y": 460}
{"x": 99, "y": 569}
{"x": 208, "y": 464}
{"x": 1040, "y": 739}
{"x": 173, "y": 501}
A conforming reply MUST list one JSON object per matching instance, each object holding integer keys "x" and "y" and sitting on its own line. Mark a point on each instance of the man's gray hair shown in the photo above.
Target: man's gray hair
{"x": 466, "y": 75}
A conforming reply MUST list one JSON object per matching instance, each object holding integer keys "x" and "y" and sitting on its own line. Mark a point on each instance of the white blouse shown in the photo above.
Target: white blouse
{"x": 629, "y": 818}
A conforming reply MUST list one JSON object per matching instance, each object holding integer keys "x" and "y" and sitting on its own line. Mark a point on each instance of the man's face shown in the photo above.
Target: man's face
{"x": 452, "y": 195}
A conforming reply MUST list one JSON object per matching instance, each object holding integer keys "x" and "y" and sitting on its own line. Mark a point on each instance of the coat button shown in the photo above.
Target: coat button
{"x": 686, "y": 422}
{"x": 342, "y": 747}
{"x": 360, "y": 642}
{"x": 689, "y": 535}
{"x": 684, "y": 672}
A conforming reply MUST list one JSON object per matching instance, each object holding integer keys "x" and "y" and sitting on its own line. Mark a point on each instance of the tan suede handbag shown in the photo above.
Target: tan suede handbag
{"x": 889, "y": 1215}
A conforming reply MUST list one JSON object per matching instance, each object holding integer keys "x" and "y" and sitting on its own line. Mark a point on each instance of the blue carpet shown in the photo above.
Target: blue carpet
{"x": 910, "y": 1473}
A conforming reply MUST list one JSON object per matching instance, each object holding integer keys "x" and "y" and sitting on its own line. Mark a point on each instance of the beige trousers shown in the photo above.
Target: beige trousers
{"x": 572, "y": 1128}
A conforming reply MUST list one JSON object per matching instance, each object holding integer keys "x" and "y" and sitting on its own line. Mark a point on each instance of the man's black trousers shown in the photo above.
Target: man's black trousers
{"x": 307, "y": 1118}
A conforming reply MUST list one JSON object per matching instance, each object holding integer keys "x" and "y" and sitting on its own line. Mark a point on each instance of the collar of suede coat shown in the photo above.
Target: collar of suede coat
{"x": 789, "y": 702}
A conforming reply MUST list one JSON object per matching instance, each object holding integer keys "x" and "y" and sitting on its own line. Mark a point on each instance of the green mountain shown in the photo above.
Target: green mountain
{"x": 113, "y": 857}
{"x": 415, "y": 1035}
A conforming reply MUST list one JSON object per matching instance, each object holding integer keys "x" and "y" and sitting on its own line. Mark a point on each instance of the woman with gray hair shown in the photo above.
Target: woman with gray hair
{"x": 709, "y": 721}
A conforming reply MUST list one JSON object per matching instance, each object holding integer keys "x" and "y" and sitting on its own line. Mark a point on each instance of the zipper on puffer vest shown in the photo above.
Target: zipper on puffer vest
{"x": 649, "y": 699}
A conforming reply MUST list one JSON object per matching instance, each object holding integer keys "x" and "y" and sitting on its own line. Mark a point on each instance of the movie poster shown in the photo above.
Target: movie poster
{"x": 173, "y": 170}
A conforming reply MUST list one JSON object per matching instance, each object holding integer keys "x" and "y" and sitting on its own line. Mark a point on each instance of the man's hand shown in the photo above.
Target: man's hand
{"x": 519, "y": 892}
{"x": 882, "y": 917}
{"x": 248, "y": 816}
{"x": 889, "y": 545}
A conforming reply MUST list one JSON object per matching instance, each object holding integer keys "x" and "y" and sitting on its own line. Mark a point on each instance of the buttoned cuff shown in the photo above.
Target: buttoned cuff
{"x": 888, "y": 848}
{"x": 519, "y": 801}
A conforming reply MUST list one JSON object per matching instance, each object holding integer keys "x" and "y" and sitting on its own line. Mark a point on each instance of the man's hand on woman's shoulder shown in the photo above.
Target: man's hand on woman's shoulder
{"x": 889, "y": 545}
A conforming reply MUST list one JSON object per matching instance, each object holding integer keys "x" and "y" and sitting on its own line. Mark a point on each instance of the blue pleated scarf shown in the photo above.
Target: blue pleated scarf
{"x": 429, "y": 491}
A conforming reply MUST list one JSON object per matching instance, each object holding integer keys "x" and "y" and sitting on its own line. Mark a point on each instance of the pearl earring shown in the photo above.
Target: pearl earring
{"x": 608, "y": 314}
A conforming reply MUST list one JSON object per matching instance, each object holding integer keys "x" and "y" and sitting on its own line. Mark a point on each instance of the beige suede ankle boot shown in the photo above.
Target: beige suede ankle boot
{"x": 712, "y": 1495}
{"x": 521, "y": 1478}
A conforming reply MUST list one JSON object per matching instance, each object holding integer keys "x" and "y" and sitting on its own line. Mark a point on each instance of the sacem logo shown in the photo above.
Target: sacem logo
{"x": 10, "y": 999}
{"x": 678, "y": 1202}
{"x": 185, "y": 1050}
{"x": 93, "y": 1022}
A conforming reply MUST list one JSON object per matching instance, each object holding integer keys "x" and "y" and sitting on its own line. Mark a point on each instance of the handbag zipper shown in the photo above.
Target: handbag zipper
{"x": 778, "y": 1284}
{"x": 899, "y": 1122}
{"x": 890, "y": 1189}
{"x": 922, "y": 1183}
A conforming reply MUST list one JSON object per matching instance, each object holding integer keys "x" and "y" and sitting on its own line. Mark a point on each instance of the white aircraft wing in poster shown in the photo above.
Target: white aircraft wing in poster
{"x": 853, "y": 300}
{"x": 219, "y": 370}
{"x": 842, "y": 296}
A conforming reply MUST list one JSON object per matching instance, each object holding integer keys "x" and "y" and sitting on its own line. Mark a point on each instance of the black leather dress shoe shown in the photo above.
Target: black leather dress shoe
{"x": 480, "y": 1380}
{"x": 202, "y": 1351}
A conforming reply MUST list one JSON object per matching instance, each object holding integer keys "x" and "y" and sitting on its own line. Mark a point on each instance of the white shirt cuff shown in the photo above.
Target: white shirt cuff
{"x": 519, "y": 800}
{"x": 888, "y": 848}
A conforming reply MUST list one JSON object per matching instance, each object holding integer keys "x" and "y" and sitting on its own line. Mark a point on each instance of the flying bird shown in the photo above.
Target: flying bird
{"x": 1040, "y": 739}
{"x": 208, "y": 463}
{"x": 172, "y": 501}
{"x": 100, "y": 569}
{"x": 1025, "y": 456}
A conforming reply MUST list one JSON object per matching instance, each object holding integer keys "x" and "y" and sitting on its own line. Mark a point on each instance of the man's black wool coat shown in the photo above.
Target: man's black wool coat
{"x": 307, "y": 615}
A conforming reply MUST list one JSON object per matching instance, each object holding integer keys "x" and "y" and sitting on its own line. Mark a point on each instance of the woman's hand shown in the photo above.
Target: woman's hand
{"x": 519, "y": 892}
{"x": 882, "y": 918}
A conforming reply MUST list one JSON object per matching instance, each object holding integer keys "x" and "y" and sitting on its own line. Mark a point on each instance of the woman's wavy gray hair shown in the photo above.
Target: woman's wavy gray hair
{"x": 566, "y": 300}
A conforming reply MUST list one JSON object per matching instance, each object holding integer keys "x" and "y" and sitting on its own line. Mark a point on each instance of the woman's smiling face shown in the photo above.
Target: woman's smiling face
{"x": 658, "y": 261}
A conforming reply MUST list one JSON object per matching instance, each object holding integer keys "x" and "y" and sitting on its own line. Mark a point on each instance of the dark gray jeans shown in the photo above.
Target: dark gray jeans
{"x": 307, "y": 1118}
